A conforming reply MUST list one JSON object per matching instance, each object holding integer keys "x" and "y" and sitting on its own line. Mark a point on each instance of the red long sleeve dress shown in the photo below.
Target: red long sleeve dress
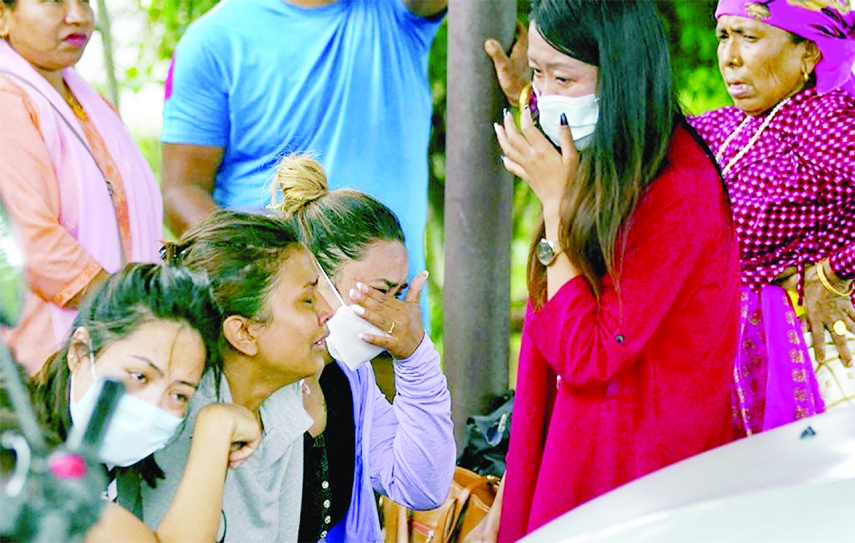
{"x": 613, "y": 388}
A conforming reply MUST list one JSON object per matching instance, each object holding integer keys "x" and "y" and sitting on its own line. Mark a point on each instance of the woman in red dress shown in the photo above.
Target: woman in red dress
{"x": 631, "y": 330}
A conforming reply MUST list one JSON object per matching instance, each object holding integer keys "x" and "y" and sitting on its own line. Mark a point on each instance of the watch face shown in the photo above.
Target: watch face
{"x": 544, "y": 252}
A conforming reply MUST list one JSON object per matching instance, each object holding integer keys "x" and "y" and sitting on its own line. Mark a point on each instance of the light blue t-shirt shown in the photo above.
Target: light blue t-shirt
{"x": 346, "y": 82}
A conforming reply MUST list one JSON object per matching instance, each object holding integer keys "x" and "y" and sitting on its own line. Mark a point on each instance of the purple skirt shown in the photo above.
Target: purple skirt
{"x": 773, "y": 375}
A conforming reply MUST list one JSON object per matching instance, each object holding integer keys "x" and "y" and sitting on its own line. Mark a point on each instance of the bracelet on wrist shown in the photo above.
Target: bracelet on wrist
{"x": 820, "y": 273}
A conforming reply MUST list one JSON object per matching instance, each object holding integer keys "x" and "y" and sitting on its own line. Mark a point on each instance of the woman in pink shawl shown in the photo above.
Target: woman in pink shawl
{"x": 787, "y": 153}
{"x": 80, "y": 194}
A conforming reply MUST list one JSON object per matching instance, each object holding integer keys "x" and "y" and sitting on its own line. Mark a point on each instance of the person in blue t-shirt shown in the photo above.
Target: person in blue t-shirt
{"x": 343, "y": 80}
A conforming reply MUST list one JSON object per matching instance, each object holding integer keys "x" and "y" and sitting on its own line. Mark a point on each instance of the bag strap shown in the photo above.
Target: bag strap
{"x": 450, "y": 520}
{"x": 403, "y": 525}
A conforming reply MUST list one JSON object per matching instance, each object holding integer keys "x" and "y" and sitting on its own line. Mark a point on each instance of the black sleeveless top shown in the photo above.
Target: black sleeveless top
{"x": 328, "y": 461}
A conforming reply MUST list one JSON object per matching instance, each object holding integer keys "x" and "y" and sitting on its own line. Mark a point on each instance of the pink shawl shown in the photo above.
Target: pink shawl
{"x": 828, "y": 23}
{"x": 86, "y": 207}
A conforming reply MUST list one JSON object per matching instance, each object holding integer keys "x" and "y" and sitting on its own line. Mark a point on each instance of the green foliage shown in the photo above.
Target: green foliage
{"x": 168, "y": 19}
{"x": 690, "y": 26}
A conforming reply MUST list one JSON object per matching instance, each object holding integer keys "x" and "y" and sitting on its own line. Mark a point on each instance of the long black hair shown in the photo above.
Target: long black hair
{"x": 638, "y": 115}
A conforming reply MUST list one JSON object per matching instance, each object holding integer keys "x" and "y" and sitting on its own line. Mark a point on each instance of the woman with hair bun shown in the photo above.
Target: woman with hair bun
{"x": 359, "y": 443}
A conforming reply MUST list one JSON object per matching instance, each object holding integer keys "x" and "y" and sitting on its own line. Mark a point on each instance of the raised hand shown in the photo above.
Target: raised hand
{"x": 529, "y": 155}
{"x": 512, "y": 71}
{"x": 401, "y": 319}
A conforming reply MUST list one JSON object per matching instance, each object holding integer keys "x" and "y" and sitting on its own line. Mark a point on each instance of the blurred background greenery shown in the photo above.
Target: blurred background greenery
{"x": 690, "y": 27}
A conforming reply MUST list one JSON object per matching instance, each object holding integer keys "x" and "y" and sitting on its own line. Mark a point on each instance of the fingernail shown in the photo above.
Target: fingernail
{"x": 563, "y": 120}
{"x": 427, "y": 274}
{"x": 354, "y": 294}
{"x": 358, "y": 309}
{"x": 504, "y": 112}
{"x": 362, "y": 288}
{"x": 496, "y": 127}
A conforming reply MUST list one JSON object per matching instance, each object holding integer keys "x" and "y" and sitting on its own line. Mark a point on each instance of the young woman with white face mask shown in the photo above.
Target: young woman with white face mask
{"x": 359, "y": 442}
{"x": 155, "y": 328}
{"x": 633, "y": 276}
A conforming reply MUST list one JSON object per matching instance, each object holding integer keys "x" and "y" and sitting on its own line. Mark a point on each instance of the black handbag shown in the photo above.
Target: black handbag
{"x": 487, "y": 438}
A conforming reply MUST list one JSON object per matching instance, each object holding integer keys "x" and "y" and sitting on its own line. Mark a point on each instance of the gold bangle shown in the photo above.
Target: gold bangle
{"x": 820, "y": 272}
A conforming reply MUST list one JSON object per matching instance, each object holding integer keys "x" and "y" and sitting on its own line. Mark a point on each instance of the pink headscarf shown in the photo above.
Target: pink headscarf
{"x": 828, "y": 23}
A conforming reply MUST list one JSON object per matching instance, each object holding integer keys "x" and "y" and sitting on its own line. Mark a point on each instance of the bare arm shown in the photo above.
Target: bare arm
{"x": 823, "y": 308}
{"x": 224, "y": 436}
{"x": 487, "y": 531}
{"x": 188, "y": 181}
{"x": 426, "y": 8}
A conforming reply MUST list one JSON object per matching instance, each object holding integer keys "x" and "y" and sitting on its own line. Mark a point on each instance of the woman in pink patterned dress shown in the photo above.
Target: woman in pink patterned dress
{"x": 787, "y": 153}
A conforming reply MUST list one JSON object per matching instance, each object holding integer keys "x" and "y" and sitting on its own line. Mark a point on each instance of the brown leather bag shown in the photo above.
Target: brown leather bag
{"x": 467, "y": 504}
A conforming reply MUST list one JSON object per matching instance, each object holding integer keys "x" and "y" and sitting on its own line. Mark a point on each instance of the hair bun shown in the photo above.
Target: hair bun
{"x": 171, "y": 252}
{"x": 300, "y": 180}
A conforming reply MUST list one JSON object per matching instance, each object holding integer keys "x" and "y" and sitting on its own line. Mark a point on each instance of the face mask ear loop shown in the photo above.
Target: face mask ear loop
{"x": 92, "y": 362}
{"x": 332, "y": 286}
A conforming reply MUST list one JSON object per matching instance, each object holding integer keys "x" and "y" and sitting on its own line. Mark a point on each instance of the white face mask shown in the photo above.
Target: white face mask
{"x": 345, "y": 326}
{"x": 136, "y": 429}
{"x": 582, "y": 113}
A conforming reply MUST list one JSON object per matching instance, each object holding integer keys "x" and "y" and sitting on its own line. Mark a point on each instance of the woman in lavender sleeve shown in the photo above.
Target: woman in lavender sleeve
{"x": 359, "y": 442}
{"x": 787, "y": 152}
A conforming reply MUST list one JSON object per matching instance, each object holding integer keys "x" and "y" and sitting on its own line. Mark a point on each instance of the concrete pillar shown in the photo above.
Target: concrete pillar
{"x": 478, "y": 211}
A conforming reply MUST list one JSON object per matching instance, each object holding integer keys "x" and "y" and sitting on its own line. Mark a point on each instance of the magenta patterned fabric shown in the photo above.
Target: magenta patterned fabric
{"x": 793, "y": 203}
{"x": 828, "y": 23}
{"x": 775, "y": 382}
{"x": 793, "y": 193}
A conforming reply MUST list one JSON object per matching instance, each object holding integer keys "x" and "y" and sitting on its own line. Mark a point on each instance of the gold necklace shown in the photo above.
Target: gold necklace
{"x": 75, "y": 106}
{"x": 751, "y": 142}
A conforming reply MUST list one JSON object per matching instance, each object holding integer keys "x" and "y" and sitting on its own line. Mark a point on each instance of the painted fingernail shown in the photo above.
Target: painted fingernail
{"x": 563, "y": 120}
{"x": 358, "y": 309}
{"x": 354, "y": 294}
{"x": 362, "y": 288}
{"x": 504, "y": 112}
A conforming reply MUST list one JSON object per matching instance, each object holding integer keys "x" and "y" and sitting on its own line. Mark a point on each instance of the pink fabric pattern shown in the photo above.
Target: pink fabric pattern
{"x": 775, "y": 382}
{"x": 792, "y": 197}
{"x": 828, "y": 23}
{"x": 792, "y": 194}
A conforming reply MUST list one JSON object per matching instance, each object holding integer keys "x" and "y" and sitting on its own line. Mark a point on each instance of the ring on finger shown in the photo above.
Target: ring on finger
{"x": 839, "y": 327}
{"x": 391, "y": 328}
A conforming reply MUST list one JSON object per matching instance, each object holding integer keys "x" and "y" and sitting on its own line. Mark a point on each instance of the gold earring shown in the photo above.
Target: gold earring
{"x": 805, "y": 75}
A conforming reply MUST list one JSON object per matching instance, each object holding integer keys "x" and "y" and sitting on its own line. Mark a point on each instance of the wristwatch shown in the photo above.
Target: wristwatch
{"x": 546, "y": 252}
